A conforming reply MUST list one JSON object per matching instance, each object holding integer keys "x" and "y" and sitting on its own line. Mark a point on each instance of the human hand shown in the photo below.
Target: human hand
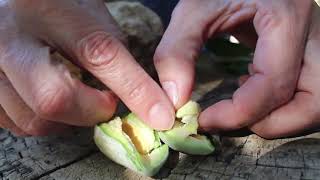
{"x": 281, "y": 95}
{"x": 38, "y": 95}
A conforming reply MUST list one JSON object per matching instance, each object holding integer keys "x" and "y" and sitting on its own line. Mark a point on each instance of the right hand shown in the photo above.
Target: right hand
{"x": 38, "y": 95}
{"x": 280, "y": 96}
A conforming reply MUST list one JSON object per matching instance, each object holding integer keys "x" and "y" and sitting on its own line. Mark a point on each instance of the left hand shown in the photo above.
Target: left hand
{"x": 38, "y": 96}
{"x": 281, "y": 96}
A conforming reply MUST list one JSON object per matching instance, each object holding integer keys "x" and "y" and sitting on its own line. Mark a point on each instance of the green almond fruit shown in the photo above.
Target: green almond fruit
{"x": 183, "y": 136}
{"x": 131, "y": 143}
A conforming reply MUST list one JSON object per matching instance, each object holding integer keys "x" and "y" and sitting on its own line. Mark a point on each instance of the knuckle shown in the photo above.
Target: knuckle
{"x": 34, "y": 126}
{"x": 4, "y": 81}
{"x": 31, "y": 131}
{"x": 28, "y": 128}
{"x": 185, "y": 5}
{"x": 137, "y": 91}
{"x": 178, "y": 8}
{"x": 162, "y": 54}
{"x": 167, "y": 52}
{"x": 159, "y": 55}
{"x": 20, "y": 134}
{"x": 263, "y": 130}
{"x": 283, "y": 91}
{"x": 34, "y": 132}
{"x": 51, "y": 101}
{"x": 266, "y": 135}
{"x": 244, "y": 117}
{"x": 99, "y": 49}
{"x": 267, "y": 18}
{"x": 236, "y": 124}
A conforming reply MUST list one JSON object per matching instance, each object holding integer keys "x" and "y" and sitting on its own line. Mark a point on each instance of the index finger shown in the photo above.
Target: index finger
{"x": 281, "y": 27}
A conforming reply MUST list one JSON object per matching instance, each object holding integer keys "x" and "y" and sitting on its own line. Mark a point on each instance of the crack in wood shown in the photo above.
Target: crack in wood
{"x": 244, "y": 163}
{"x": 65, "y": 165}
{"x": 285, "y": 167}
{"x": 27, "y": 158}
{"x": 20, "y": 155}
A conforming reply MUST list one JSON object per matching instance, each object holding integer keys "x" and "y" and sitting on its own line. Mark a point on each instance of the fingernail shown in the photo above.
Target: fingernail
{"x": 171, "y": 90}
{"x": 161, "y": 117}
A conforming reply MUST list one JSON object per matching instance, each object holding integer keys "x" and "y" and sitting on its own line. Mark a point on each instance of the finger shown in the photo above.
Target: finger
{"x": 175, "y": 62}
{"x": 98, "y": 10}
{"x": 276, "y": 67}
{"x": 243, "y": 79}
{"x": 89, "y": 42}
{"x": 302, "y": 113}
{"x": 176, "y": 54}
{"x": 7, "y": 123}
{"x": 21, "y": 115}
{"x": 49, "y": 90}
{"x": 251, "y": 69}
{"x": 294, "y": 118}
{"x": 190, "y": 26}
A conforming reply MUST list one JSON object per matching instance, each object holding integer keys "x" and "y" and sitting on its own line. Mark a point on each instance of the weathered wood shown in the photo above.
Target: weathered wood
{"x": 93, "y": 167}
{"x": 255, "y": 158}
{"x": 247, "y": 157}
{"x": 239, "y": 158}
{"x": 28, "y": 158}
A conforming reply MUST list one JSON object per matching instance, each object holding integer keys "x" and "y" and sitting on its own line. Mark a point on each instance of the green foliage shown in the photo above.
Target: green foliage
{"x": 229, "y": 57}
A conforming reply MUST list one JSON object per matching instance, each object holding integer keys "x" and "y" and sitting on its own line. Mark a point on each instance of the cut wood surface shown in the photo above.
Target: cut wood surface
{"x": 245, "y": 157}
{"x": 248, "y": 157}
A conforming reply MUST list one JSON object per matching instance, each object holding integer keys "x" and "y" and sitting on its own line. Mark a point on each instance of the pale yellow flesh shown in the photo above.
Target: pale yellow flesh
{"x": 142, "y": 136}
{"x": 143, "y": 147}
{"x": 123, "y": 141}
{"x": 131, "y": 143}
{"x": 184, "y": 136}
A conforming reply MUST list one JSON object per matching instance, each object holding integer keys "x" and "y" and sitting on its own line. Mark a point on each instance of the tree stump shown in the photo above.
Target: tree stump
{"x": 242, "y": 157}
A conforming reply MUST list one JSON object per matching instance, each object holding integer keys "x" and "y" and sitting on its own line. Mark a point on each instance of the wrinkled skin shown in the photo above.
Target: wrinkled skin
{"x": 281, "y": 95}
{"x": 38, "y": 95}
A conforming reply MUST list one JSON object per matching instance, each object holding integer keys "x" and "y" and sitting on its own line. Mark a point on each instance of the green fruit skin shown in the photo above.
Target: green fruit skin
{"x": 150, "y": 136}
{"x": 188, "y": 145}
{"x": 190, "y": 108}
{"x": 116, "y": 145}
{"x": 115, "y": 150}
{"x": 155, "y": 160}
{"x": 180, "y": 137}
{"x": 119, "y": 149}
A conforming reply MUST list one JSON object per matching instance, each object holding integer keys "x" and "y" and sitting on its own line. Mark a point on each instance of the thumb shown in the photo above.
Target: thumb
{"x": 192, "y": 23}
{"x": 175, "y": 56}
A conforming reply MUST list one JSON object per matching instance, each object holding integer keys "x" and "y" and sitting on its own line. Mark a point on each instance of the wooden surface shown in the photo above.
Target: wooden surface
{"x": 246, "y": 157}
{"x": 75, "y": 157}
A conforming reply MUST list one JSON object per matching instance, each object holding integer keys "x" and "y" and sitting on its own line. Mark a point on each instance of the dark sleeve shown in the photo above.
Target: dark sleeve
{"x": 163, "y": 8}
